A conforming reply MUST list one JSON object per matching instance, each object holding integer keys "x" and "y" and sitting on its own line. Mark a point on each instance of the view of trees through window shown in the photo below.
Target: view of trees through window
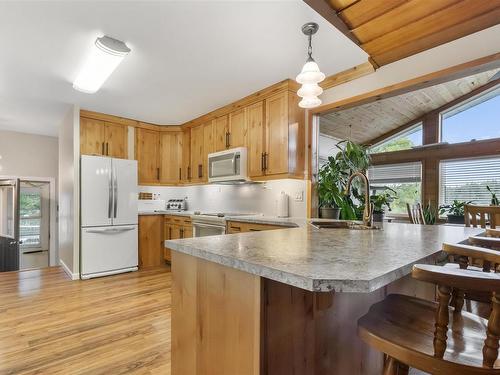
{"x": 30, "y": 221}
{"x": 407, "y": 192}
{"x": 403, "y": 141}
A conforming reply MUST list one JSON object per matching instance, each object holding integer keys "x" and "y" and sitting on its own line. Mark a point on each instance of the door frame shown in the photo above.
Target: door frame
{"x": 53, "y": 249}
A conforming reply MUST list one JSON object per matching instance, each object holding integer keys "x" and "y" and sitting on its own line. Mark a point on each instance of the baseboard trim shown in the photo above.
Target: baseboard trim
{"x": 74, "y": 276}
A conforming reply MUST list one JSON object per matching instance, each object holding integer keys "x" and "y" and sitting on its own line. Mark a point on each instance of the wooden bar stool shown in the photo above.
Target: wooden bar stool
{"x": 485, "y": 215}
{"x": 415, "y": 213}
{"x": 415, "y": 333}
{"x": 489, "y": 242}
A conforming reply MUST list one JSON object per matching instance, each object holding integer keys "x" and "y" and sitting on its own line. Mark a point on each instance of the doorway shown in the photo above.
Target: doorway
{"x": 34, "y": 224}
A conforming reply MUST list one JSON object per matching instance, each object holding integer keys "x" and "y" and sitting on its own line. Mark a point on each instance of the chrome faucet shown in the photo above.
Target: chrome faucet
{"x": 368, "y": 211}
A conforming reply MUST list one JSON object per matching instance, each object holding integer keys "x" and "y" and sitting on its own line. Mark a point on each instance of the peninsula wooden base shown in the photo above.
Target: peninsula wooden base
{"x": 227, "y": 322}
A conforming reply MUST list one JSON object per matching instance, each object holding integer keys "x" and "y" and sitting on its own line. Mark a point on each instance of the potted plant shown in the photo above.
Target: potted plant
{"x": 430, "y": 214}
{"x": 455, "y": 211}
{"x": 494, "y": 198}
{"x": 380, "y": 201}
{"x": 332, "y": 181}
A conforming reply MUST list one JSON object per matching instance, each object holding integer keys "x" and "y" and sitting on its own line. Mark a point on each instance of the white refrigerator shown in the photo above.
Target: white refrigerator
{"x": 108, "y": 207}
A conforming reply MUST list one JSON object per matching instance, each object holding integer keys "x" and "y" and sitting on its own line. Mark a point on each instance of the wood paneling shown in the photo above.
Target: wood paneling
{"x": 215, "y": 319}
{"x": 116, "y": 140}
{"x": 238, "y": 128}
{"x": 170, "y": 157}
{"x": 255, "y": 141}
{"x": 347, "y": 75}
{"x": 390, "y": 30}
{"x": 277, "y": 134}
{"x": 109, "y": 325}
{"x": 91, "y": 136}
{"x": 150, "y": 240}
{"x": 147, "y": 153}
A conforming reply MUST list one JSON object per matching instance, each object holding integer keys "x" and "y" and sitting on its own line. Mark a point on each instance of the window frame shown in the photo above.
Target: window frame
{"x": 418, "y": 123}
{"x": 464, "y": 106}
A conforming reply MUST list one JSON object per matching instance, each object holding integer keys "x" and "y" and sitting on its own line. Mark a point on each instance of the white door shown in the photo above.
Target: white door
{"x": 96, "y": 191}
{"x": 125, "y": 191}
{"x": 108, "y": 250}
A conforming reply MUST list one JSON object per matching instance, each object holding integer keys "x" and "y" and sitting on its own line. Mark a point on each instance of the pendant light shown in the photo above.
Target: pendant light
{"x": 310, "y": 75}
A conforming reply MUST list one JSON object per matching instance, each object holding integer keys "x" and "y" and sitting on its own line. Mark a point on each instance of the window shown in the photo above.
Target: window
{"x": 30, "y": 222}
{"x": 405, "y": 179}
{"x": 475, "y": 119}
{"x": 466, "y": 180}
{"x": 402, "y": 141}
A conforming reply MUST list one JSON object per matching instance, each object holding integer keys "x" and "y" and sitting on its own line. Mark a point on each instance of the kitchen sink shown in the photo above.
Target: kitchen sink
{"x": 341, "y": 224}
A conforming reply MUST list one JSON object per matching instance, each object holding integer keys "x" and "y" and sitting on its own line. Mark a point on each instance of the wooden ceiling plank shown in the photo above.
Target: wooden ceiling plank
{"x": 330, "y": 14}
{"x": 366, "y": 10}
{"x": 435, "y": 23}
{"x": 398, "y": 17}
{"x": 462, "y": 29}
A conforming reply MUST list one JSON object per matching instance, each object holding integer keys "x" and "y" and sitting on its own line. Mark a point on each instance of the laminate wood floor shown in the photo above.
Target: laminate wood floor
{"x": 112, "y": 325}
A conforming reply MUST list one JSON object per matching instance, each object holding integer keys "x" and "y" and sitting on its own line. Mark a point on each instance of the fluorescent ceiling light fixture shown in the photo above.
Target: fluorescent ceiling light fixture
{"x": 107, "y": 53}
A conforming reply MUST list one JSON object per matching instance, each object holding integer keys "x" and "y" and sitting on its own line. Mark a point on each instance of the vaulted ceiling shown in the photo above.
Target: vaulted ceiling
{"x": 369, "y": 121}
{"x": 389, "y": 30}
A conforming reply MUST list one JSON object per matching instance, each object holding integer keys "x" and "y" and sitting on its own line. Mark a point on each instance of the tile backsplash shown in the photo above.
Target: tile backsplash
{"x": 251, "y": 198}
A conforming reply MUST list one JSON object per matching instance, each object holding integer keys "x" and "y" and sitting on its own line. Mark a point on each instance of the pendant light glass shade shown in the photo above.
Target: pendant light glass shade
{"x": 310, "y": 75}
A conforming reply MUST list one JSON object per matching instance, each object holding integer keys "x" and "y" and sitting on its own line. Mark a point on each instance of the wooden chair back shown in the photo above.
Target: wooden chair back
{"x": 415, "y": 213}
{"x": 481, "y": 215}
{"x": 448, "y": 279}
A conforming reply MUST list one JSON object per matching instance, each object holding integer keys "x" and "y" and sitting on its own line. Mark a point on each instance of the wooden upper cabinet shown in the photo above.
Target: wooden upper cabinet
{"x": 170, "y": 157}
{"x": 197, "y": 134}
{"x": 255, "y": 139}
{"x": 186, "y": 156}
{"x": 103, "y": 138}
{"x": 208, "y": 147}
{"x": 115, "y": 140}
{"x": 276, "y": 154}
{"x": 237, "y": 128}
{"x": 147, "y": 152}
{"x": 91, "y": 136}
{"x": 221, "y": 133}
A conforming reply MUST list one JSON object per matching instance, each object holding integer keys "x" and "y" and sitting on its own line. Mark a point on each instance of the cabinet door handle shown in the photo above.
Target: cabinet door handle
{"x": 107, "y": 148}
{"x": 200, "y": 170}
{"x": 169, "y": 233}
{"x": 180, "y": 174}
{"x": 262, "y": 162}
{"x": 189, "y": 173}
{"x": 157, "y": 173}
{"x": 228, "y": 143}
{"x": 102, "y": 153}
{"x": 181, "y": 232}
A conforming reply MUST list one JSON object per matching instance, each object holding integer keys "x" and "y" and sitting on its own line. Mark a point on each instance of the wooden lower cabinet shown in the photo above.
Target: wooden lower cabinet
{"x": 176, "y": 227}
{"x": 241, "y": 227}
{"x": 150, "y": 240}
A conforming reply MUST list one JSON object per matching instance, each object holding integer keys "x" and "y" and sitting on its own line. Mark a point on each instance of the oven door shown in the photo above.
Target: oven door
{"x": 204, "y": 230}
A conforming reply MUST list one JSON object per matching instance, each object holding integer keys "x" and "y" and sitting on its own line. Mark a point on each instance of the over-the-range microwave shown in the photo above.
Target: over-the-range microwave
{"x": 228, "y": 166}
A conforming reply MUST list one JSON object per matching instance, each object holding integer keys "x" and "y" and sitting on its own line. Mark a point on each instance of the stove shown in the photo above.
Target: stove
{"x": 176, "y": 205}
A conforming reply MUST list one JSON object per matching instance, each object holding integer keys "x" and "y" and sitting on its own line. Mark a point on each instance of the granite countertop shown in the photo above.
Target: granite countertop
{"x": 322, "y": 260}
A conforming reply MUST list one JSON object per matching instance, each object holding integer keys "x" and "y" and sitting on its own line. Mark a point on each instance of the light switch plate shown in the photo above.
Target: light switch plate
{"x": 299, "y": 196}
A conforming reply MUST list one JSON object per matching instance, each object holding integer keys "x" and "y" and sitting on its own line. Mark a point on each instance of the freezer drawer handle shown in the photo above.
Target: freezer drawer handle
{"x": 110, "y": 230}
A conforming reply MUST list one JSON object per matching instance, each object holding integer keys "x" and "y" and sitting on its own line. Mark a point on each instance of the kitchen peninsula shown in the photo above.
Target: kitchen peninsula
{"x": 287, "y": 301}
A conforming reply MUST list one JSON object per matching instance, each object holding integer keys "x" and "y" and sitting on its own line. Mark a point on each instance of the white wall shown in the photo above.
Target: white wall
{"x": 251, "y": 198}
{"x": 24, "y": 154}
{"x": 471, "y": 47}
{"x": 69, "y": 224}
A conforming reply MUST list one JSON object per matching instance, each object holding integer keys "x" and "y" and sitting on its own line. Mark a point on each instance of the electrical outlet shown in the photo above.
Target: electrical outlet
{"x": 299, "y": 196}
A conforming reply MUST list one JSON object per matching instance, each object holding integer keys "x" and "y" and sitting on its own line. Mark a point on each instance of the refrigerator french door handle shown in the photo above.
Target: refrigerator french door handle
{"x": 115, "y": 192}
{"x": 110, "y": 193}
{"x": 110, "y": 230}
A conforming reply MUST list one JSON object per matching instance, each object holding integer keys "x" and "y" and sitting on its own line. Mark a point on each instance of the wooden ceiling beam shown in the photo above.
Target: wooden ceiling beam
{"x": 330, "y": 14}
{"x": 347, "y": 75}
